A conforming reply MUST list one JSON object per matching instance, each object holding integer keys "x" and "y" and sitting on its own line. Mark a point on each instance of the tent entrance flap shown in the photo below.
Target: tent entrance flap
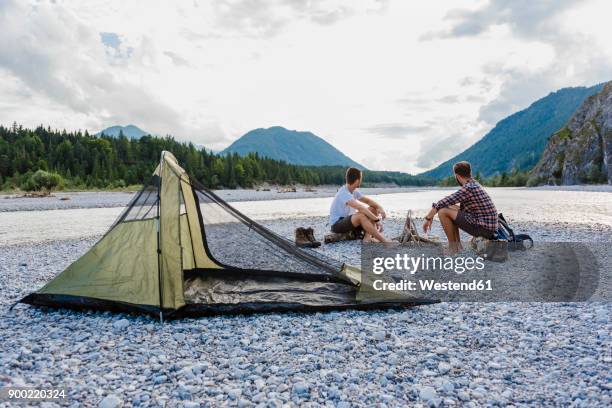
{"x": 180, "y": 249}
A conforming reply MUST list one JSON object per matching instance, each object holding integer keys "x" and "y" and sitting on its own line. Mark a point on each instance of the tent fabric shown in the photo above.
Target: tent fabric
{"x": 109, "y": 268}
{"x": 170, "y": 243}
{"x": 178, "y": 250}
{"x": 194, "y": 231}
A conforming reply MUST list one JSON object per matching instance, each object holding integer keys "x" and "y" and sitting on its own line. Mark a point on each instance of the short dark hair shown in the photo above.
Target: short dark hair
{"x": 463, "y": 169}
{"x": 352, "y": 175}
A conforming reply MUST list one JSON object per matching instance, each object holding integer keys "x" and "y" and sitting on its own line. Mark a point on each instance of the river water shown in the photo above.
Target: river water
{"x": 517, "y": 204}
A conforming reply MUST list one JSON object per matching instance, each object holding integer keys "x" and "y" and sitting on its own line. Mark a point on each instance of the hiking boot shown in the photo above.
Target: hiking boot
{"x": 301, "y": 239}
{"x": 310, "y": 235}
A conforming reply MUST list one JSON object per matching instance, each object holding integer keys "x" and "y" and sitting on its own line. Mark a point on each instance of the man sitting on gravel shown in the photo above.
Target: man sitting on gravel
{"x": 476, "y": 213}
{"x": 352, "y": 211}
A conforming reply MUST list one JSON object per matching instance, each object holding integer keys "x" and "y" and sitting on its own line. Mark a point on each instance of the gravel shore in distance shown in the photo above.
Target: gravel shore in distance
{"x": 105, "y": 199}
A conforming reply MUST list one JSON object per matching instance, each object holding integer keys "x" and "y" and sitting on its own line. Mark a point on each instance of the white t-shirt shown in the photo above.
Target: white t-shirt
{"x": 339, "y": 209}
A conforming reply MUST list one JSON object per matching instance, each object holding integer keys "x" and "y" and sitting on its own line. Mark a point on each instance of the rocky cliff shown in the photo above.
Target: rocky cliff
{"x": 581, "y": 152}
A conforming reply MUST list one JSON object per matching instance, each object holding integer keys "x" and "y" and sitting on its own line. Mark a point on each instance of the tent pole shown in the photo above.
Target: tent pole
{"x": 159, "y": 275}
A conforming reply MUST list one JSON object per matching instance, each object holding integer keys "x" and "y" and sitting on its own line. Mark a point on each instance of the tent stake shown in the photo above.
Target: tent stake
{"x": 161, "y": 317}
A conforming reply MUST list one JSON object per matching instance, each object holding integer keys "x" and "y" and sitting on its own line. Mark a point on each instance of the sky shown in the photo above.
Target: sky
{"x": 395, "y": 85}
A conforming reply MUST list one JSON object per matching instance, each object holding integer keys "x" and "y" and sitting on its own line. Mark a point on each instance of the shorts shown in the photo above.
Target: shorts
{"x": 471, "y": 228}
{"x": 344, "y": 225}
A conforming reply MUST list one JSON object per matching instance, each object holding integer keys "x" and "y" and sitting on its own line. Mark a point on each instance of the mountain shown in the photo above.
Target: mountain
{"x": 291, "y": 146}
{"x": 130, "y": 131}
{"x": 581, "y": 152}
{"x": 200, "y": 146}
{"x": 518, "y": 140}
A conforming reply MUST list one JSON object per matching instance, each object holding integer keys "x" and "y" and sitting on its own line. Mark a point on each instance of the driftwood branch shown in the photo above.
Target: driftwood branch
{"x": 410, "y": 232}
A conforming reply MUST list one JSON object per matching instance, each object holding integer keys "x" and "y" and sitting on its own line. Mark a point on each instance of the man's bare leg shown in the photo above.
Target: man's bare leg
{"x": 457, "y": 233}
{"x": 361, "y": 220}
{"x": 366, "y": 236}
{"x": 447, "y": 217}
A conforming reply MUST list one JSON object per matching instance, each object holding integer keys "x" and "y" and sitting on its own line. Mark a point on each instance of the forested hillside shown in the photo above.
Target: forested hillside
{"x": 86, "y": 161}
{"x": 291, "y": 146}
{"x": 517, "y": 142}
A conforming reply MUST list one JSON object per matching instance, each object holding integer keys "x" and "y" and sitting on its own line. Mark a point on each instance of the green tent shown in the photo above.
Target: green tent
{"x": 180, "y": 250}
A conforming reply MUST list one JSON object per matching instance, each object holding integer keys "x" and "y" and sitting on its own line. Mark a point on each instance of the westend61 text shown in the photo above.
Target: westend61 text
{"x": 432, "y": 285}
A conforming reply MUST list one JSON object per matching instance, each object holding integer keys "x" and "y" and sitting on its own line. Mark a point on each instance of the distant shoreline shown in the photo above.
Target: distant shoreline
{"x": 377, "y": 189}
{"x": 596, "y": 188}
{"x": 108, "y": 199}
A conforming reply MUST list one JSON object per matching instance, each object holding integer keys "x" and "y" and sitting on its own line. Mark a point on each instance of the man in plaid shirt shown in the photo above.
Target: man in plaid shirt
{"x": 476, "y": 213}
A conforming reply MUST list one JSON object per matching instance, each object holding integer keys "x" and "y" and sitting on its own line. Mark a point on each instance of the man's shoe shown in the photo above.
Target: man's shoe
{"x": 310, "y": 235}
{"x": 301, "y": 239}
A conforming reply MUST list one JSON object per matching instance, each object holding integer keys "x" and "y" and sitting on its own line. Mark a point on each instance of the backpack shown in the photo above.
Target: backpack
{"x": 516, "y": 242}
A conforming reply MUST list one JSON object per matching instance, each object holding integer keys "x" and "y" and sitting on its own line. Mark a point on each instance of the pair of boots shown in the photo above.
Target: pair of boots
{"x": 304, "y": 238}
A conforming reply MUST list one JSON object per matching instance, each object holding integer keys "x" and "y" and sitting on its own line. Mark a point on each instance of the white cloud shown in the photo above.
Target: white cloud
{"x": 558, "y": 50}
{"x": 267, "y": 18}
{"x": 436, "y": 150}
{"x": 397, "y": 130}
{"x": 356, "y": 72}
{"x": 176, "y": 59}
{"x": 526, "y": 18}
{"x": 61, "y": 59}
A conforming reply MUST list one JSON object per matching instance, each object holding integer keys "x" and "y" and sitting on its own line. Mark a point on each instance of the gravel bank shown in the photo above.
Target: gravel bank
{"x": 102, "y": 199}
{"x": 443, "y": 354}
{"x": 106, "y": 199}
{"x": 602, "y": 188}
{"x": 63, "y": 201}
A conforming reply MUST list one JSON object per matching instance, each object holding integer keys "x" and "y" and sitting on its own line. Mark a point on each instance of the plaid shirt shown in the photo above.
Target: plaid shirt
{"x": 475, "y": 204}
